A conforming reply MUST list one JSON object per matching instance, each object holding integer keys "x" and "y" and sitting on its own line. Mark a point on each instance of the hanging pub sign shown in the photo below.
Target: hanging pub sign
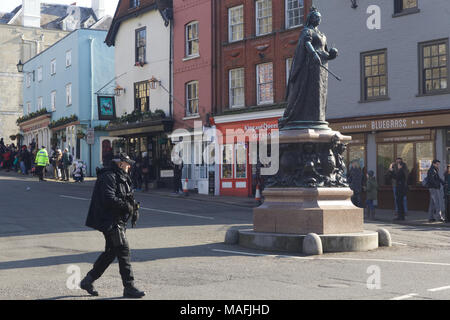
{"x": 106, "y": 108}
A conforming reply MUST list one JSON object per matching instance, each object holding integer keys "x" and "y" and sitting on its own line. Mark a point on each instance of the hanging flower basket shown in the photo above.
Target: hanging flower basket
{"x": 80, "y": 135}
{"x": 13, "y": 137}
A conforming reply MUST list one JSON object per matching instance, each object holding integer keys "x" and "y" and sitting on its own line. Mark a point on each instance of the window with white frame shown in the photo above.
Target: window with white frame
{"x": 68, "y": 58}
{"x": 40, "y": 103}
{"x": 237, "y": 90}
{"x": 236, "y": 23}
{"x": 69, "y": 94}
{"x": 192, "y": 98}
{"x": 263, "y": 17}
{"x": 53, "y": 100}
{"x": 39, "y": 74}
{"x": 288, "y": 69}
{"x": 294, "y": 13}
{"x": 28, "y": 80}
{"x": 53, "y": 67}
{"x": 264, "y": 75}
{"x": 192, "y": 39}
{"x": 28, "y": 107}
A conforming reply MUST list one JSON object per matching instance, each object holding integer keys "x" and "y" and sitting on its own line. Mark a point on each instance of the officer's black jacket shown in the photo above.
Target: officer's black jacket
{"x": 109, "y": 206}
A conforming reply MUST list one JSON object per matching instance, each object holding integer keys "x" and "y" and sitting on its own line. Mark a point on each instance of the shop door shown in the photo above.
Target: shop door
{"x": 235, "y": 170}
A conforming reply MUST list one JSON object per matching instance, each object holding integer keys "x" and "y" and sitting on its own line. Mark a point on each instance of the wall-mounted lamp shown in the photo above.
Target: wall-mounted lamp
{"x": 20, "y": 66}
{"x": 354, "y": 4}
{"x": 119, "y": 90}
{"x": 154, "y": 83}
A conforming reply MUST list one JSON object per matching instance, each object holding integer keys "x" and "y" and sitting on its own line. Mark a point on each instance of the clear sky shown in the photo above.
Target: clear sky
{"x": 9, "y": 5}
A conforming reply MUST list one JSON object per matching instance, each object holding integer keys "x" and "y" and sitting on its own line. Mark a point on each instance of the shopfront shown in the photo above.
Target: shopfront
{"x": 417, "y": 138}
{"x": 237, "y": 172}
{"x": 151, "y": 138}
{"x": 36, "y": 130}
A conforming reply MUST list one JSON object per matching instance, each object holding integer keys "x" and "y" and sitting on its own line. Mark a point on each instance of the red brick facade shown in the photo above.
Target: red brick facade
{"x": 275, "y": 47}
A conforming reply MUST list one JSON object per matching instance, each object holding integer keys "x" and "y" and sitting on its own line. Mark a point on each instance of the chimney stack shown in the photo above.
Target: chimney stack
{"x": 99, "y": 8}
{"x": 31, "y": 10}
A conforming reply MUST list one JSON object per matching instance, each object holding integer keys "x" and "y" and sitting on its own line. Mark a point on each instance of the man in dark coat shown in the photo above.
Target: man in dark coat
{"x": 399, "y": 172}
{"x": 111, "y": 206}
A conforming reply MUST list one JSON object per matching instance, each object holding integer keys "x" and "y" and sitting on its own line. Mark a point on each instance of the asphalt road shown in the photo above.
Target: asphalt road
{"x": 178, "y": 253}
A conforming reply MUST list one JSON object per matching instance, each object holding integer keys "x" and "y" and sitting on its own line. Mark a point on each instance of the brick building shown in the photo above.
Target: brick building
{"x": 193, "y": 77}
{"x": 256, "y": 41}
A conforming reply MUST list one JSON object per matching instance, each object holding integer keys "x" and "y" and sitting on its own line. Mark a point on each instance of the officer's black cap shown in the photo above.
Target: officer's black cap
{"x": 123, "y": 157}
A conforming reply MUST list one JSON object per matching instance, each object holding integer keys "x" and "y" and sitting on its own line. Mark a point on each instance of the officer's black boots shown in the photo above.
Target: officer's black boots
{"x": 132, "y": 292}
{"x": 87, "y": 284}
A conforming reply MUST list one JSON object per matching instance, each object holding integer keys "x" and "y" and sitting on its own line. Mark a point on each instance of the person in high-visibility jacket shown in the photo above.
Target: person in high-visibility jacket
{"x": 41, "y": 162}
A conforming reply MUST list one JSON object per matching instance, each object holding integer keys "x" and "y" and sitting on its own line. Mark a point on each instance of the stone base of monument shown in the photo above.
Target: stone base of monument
{"x": 349, "y": 242}
{"x": 287, "y": 215}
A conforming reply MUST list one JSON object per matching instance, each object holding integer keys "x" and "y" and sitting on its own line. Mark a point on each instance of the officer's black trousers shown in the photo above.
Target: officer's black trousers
{"x": 113, "y": 250}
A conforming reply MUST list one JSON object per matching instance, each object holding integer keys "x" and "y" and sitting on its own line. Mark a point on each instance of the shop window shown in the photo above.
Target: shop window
{"x": 241, "y": 161}
{"x": 434, "y": 73}
{"x": 227, "y": 161}
{"x": 236, "y": 23}
{"x": 374, "y": 76}
{"x": 134, "y": 3}
{"x": 385, "y": 156}
{"x": 417, "y": 156}
{"x": 142, "y": 96}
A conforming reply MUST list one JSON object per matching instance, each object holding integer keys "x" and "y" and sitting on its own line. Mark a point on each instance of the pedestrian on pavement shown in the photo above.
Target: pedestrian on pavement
{"x": 355, "y": 180}
{"x": 405, "y": 200}
{"x": 433, "y": 182}
{"x": 399, "y": 172}
{"x": 371, "y": 194}
{"x": 78, "y": 174}
{"x": 41, "y": 162}
{"x": 447, "y": 194}
{"x": 111, "y": 206}
{"x": 56, "y": 163}
{"x": 177, "y": 175}
{"x": 66, "y": 161}
{"x": 136, "y": 175}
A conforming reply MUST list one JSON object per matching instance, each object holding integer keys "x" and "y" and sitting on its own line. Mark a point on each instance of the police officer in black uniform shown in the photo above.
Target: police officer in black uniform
{"x": 111, "y": 207}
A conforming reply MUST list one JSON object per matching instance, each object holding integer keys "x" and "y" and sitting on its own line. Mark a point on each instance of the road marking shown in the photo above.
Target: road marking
{"x": 178, "y": 213}
{"x": 439, "y": 289}
{"x": 406, "y": 296}
{"x": 75, "y": 198}
{"x": 334, "y": 259}
{"x": 399, "y": 243}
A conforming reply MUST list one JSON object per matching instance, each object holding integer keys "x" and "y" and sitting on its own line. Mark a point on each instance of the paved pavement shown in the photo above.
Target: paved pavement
{"x": 178, "y": 253}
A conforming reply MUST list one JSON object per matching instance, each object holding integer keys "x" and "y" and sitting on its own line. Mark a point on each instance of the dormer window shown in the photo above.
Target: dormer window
{"x": 134, "y": 4}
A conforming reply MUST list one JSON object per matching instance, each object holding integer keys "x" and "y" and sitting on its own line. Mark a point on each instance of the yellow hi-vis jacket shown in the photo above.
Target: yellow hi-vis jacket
{"x": 42, "y": 158}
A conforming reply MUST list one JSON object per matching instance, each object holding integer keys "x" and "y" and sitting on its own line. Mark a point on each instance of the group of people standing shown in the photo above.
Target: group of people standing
{"x": 18, "y": 159}
{"x": 438, "y": 210}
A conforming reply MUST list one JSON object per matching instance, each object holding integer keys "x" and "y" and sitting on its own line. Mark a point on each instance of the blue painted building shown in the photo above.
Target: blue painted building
{"x": 65, "y": 79}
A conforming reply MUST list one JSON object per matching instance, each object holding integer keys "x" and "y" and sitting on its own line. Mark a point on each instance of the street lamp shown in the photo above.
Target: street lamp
{"x": 154, "y": 83}
{"x": 20, "y": 66}
{"x": 118, "y": 91}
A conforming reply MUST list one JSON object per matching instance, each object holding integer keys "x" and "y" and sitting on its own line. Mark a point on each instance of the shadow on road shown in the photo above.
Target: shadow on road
{"x": 137, "y": 255}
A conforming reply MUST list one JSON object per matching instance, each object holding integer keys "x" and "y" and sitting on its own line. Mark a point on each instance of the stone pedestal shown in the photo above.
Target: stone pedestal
{"x": 308, "y": 210}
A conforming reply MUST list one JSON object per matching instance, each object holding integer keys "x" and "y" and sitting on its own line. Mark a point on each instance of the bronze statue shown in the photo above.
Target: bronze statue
{"x": 308, "y": 80}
